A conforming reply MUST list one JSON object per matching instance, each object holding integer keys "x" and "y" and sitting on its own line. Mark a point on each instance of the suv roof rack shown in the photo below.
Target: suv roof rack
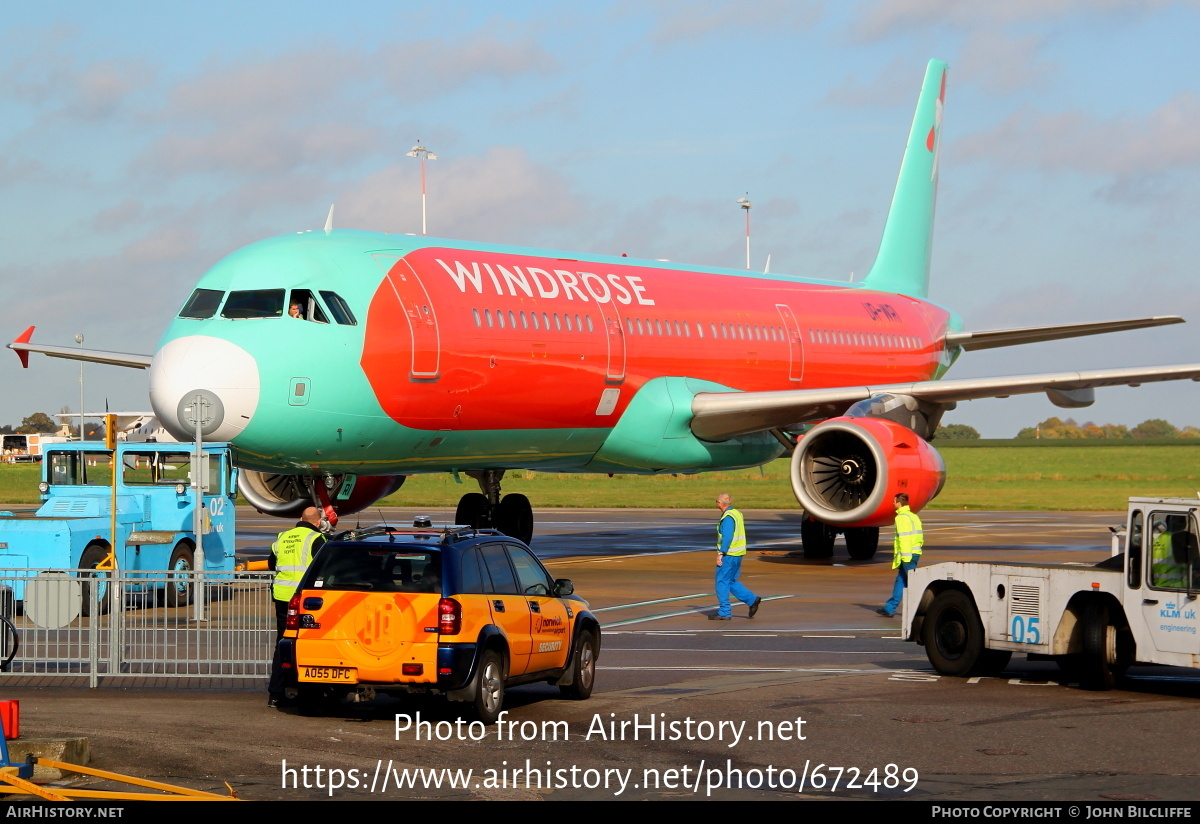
{"x": 448, "y": 532}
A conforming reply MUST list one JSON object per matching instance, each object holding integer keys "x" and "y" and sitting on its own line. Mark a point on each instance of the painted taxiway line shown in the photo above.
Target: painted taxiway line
{"x": 731, "y": 668}
{"x": 657, "y": 601}
{"x": 750, "y": 650}
{"x": 678, "y": 614}
{"x": 728, "y": 630}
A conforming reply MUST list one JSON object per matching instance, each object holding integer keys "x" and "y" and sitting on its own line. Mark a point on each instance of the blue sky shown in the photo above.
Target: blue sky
{"x": 138, "y": 145}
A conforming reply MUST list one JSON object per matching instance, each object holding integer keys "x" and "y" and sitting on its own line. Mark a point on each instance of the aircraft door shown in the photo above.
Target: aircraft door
{"x": 795, "y": 347}
{"x": 615, "y": 341}
{"x": 418, "y": 310}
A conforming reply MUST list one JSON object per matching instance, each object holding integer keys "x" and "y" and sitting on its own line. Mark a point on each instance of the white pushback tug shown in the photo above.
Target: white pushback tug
{"x": 1137, "y": 606}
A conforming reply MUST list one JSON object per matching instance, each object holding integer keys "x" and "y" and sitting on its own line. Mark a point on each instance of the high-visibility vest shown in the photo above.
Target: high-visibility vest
{"x": 293, "y": 552}
{"x": 1164, "y": 571}
{"x": 737, "y": 544}
{"x": 909, "y": 539}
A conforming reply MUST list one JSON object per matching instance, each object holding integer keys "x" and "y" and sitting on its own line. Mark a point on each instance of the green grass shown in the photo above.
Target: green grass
{"x": 1090, "y": 477}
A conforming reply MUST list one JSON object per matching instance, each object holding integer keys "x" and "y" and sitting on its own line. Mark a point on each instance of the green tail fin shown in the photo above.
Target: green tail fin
{"x": 902, "y": 264}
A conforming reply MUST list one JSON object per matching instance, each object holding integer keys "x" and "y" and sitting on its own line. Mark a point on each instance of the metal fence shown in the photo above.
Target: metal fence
{"x": 97, "y": 624}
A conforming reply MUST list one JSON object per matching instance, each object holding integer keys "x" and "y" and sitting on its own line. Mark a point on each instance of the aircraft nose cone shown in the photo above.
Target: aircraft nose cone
{"x": 208, "y": 377}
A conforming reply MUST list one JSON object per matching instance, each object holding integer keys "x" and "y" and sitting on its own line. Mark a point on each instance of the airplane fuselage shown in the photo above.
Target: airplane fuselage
{"x": 421, "y": 355}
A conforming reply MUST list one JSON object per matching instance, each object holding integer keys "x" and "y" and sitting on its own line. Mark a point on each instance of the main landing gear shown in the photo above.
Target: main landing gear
{"x": 512, "y": 514}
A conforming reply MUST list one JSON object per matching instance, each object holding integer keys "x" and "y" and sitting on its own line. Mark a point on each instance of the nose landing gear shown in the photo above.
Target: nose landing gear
{"x": 512, "y": 514}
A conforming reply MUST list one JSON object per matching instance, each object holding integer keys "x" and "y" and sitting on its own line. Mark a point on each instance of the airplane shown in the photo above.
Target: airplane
{"x": 139, "y": 427}
{"x": 338, "y": 362}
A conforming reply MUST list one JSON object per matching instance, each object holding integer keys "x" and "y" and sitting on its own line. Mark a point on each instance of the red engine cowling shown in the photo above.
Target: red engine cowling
{"x": 845, "y": 471}
{"x": 286, "y": 496}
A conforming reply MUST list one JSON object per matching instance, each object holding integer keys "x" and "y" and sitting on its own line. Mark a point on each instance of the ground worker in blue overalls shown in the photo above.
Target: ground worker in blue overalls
{"x": 731, "y": 548}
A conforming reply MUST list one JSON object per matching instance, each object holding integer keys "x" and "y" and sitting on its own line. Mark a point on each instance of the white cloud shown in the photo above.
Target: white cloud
{"x": 1003, "y": 63}
{"x": 1167, "y": 138}
{"x": 502, "y": 196}
{"x": 883, "y": 18}
{"x": 688, "y": 20}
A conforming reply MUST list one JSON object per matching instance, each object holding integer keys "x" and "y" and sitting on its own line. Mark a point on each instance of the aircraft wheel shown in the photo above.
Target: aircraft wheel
{"x": 472, "y": 510}
{"x": 817, "y": 538}
{"x": 515, "y": 517}
{"x": 862, "y": 542}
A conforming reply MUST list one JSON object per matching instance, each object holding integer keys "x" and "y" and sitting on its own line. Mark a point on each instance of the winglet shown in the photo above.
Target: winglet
{"x": 22, "y": 353}
{"x": 329, "y": 220}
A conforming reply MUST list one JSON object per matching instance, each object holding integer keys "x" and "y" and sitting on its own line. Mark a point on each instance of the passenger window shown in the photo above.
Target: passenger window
{"x": 1133, "y": 550}
{"x": 471, "y": 581}
{"x": 202, "y": 304}
{"x": 487, "y": 316}
{"x": 533, "y": 579}
{"x": 567, "y": 322}
{"x": 533, "y": 318}
{"x": 254, "y": 303}
{"x": 478, "y": 320}
{"x": 339, "y": 308}
{"x": 591, "y": 328}
{"x": 302, "y": 304}
{"x": 496, "y": 563}
{"x": 512, "y": 320}
{"x": 524, "y": 321}
{"x": 500, "y": 318}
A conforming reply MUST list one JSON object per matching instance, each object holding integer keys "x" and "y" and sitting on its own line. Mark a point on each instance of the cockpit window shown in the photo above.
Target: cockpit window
{"x": 202, "y": 304}
{"x": 303, "y": 305}
{"x": 254, "y": 303}
{"x": 339, "y": 309}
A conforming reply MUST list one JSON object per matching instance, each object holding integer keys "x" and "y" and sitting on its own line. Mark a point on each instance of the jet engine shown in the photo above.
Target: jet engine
{"x": 845, "y": 471}
{"x": 286, "y": 496}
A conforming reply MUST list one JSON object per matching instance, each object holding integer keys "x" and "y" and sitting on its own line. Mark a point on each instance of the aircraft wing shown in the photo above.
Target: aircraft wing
{"x": 722, "y": 415}
{"x": 23, "y": 347}
{"x": 971, "y": 341}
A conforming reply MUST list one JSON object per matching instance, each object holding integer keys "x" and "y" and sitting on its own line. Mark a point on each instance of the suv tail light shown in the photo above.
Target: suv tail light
{"x": 293, "y": 613}
{"x": 449, "y": 617}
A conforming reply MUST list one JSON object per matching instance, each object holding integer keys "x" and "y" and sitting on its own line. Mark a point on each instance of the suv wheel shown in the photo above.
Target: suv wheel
{"x": 489, "y": 687}
{"x": 583, "y": 669}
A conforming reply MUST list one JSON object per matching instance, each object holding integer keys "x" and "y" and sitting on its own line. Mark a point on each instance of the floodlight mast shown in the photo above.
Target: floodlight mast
{"x": 423, "y": 154}
{"x": 745, "y": 204}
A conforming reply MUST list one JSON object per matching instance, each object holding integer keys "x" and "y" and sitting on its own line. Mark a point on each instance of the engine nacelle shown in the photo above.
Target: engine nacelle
{"x": 846, "y": 471}
{"x": 286, "y": 496}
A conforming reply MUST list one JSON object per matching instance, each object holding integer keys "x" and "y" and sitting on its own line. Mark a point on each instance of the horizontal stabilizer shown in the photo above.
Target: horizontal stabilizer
{"x": 721, "y": 415}
{"x": 972, "y": 341}
{"x": 23, "y": 347}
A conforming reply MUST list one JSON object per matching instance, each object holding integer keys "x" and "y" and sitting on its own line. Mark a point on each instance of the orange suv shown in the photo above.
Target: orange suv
{"x": 458, "y": 611}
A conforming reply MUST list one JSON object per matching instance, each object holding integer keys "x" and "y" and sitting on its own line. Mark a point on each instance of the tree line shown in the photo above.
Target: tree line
{"x": 40, "y": 422}
{"x": 1053, "y": 429}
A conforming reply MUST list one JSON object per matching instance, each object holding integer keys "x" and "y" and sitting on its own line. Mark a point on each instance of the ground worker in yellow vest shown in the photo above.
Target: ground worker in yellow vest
{"x": 1165, "y": 571}
{"x": 906, "y": 551}
{"x": 291, "y": 554}
{"x": 731, "y": 548}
